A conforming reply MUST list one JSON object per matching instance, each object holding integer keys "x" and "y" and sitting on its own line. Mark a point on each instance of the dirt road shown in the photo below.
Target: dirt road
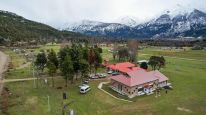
{"x": 4, "y": 61}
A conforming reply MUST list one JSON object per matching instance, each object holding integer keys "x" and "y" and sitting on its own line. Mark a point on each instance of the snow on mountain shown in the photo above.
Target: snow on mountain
{"x": 87, "y": 26}
{"x": 82, "y": 26}
{"x": 197, "y": 17}
{"x": 180, "y": 24}
{"x": 163, "y": 19}
{"x": 128, "y": 20}
{"x": 169, "y": 24}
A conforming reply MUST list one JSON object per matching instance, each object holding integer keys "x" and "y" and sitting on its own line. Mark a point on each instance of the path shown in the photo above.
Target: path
{"x": 4, "y": 61}
{"x": 17, "y": 80}
{"x": 25, "y": 79}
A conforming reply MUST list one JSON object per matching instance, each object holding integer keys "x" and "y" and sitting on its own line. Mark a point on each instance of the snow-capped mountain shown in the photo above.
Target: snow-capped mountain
{"x": 187, "y": 24}
{"x": 128, "y": 20}
{"x": 97, "y": 28}
{"x": 83, "y": 26}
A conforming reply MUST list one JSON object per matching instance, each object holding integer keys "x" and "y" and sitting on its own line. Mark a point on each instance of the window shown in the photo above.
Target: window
{"x": 141, "y": 89}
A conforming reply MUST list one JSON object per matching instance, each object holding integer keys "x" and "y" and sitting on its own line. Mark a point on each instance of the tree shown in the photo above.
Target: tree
{"x": 52, "y": 57}
{"x": 91, "y": 58}
{"x": 98, "y": 60}
{"x": 76, "y": 56}
{"x": 156, "y": 61}
{"x": 132, "y": 49}
{"x": 162, "y": 62}
{"x": 84, "y": 68}
{"x": 115, "y": 51}
{"x": 41, "y": 61}
{"x": 99, "y": 50}
{"x": 67, "y": 69}
{"x": 153, "y": 62}
{"x": 52, "y": 70}
{"x": 144, "y": 65}
{"x": 52, "y": 64}
{"x": 123, "y": 53}
{"x": 85, "y": 53}
{"x": 114, "y": 54}
{"x": 63, "y": 53}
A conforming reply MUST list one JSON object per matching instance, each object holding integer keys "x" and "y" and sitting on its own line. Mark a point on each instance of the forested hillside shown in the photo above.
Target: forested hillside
{"x": 16, "y": 28}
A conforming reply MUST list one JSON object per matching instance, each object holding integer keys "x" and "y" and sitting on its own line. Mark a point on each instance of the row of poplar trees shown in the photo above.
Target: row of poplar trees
{"x": 75, "y": 61}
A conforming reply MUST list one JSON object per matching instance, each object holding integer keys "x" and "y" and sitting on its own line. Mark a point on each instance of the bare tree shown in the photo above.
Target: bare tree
{"x": 133, "y": 50}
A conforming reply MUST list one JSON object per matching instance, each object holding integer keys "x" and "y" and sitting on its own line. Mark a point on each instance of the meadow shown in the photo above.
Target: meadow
{"x": 188, "y": 77}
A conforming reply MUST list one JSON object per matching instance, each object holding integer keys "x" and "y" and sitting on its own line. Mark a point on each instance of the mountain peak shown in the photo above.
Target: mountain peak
{"x": 90, "y": 22}
{"x": 187, "y": 23}
{"x": 127, "y": 20}
{"x": 197, "y": 13}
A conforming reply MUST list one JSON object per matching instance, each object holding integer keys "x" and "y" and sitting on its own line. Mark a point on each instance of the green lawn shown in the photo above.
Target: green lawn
{"x": 19, "y": 73}
{"x": 187, "y": 77}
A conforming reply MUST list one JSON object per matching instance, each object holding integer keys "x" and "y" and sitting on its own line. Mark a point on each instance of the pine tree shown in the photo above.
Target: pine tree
{"x": 41, "y": 61}
{"x": 52, "y": 64}
{"x": 67, "y": 69}
{"x": 98, "y": 59}
{"x": 52, "y": 57}
{"x": 84, "y": 68}
{"x": 52, "y": 70}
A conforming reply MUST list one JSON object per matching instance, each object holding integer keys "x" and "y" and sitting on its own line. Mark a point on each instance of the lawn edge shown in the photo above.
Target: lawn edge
{"x": 100, "y": 87}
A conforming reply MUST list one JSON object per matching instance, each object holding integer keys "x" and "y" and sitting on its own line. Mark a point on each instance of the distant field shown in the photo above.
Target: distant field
{"x": 192, "y": 54}
{"x": 188, "y": 97}
{"x": 46, "y": 47}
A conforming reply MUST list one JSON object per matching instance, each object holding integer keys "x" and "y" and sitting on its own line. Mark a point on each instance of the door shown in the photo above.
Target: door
{"x": 119, "y": 87}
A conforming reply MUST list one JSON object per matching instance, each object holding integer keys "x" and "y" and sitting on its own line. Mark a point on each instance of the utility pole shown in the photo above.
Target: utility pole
{"x": 34, "y": 78}
{"x": 33, "y": 73}
{"x": 65, "y": 106}
{"x": 49, "y": 108}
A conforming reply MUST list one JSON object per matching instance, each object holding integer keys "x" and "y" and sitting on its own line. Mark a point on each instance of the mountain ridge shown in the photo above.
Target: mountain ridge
{"x": 17, "y": 28}
{"x": 188, "y": 24}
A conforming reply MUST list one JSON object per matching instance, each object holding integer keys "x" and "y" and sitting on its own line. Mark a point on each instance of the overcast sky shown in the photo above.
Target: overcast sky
{"x": 58, "y": 12}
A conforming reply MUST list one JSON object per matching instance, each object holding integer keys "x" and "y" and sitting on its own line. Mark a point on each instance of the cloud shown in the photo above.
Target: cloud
{"x": 57, "y": 12}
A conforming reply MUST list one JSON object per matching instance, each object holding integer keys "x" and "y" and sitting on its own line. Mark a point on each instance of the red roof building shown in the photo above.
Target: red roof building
{"x": 123, "y": 67}
{"x": 134, "y": 80}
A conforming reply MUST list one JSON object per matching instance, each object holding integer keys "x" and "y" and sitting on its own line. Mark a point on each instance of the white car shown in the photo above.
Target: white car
{"x": 84, "y": 89}
{"x": 110, "y": 72}
{"x": 102, "y": 75}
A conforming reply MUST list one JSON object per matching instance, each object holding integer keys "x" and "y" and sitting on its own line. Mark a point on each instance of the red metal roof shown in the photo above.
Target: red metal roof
{"x": 159, "y": 75}
{"x": 122, "y": 67}
{"x": 139, "y": 77}
{"x": 136, "y": 68}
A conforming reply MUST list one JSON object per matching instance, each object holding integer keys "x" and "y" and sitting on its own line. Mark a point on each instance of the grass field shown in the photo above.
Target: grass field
{"x": 16, "y": 59}
{"x": 188, "y": 78}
